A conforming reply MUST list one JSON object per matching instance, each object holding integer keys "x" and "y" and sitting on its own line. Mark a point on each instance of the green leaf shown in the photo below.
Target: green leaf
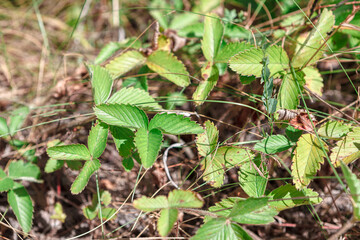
{"x": 151, "y": 204}
{"x": 210, "y": 74}
{"x": 19, "y": 170}
{"x": 333, "y": 130}
{"x": 109, "y": 49}
{"x": 347, "y": 149}
{"x": 69, "y": 152}
{"x": 90, "y": 212}
{"x": 174, "y": 124}
{"x": 250, "y": 180}
{"x": 206, "y": 142}
{"x": 288, "y": 97}
{"x": 101, "y": 82}
{"x": 230, "y": 50}
{"x": 134, "y": 96}
{"x": 128, "y": 163}
{"x": 168, "y": 215}
{"x": 59, "y": 213}
{"x": 213, "y": 165}
{"x": 307, "y": 158}
{"x": 273, "y": 144}
{"x": 292, "y": 133}
{"x": 83, "y": 178}
{"x": 354, "y": 186}
{"x": 183, "y": 19}
{"x": 20, "y": 202}
{"x": 4, "y": 130}
{"x": 97, "y": 139}
{"x": 125, "y": 63}
{"x": 74, "y": 164}
{"x": 247, "y": 206}
{"x": 106, "y": 52}
{"x": 313, "y": 80}
{"x": 219, "y": 229}
{"x": 6, "y": 183}
{"x": 17, "y": 119}
{"x": 122, "y": 115}
{"x": 259, "y": 214}
{"x": 166, "y": 221}
{"x": 249, "y": 62}
{"x": 287, "y": 196}
{"x": 205, "y": 6}
{"x": 107, "y": 213}
{"x": 168, "y": 66}
{"x": 124, "y": 140}
{"x": 148, "y": 145}
{"x": 213, "y": 31}
{"x": 184, "y": 199}
{"x": 315, "y": 39}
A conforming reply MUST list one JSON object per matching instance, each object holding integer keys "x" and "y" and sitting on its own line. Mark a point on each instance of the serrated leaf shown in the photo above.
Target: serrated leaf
{"x": 306, "y": 161}
{"x": 213, "y": 31}
{"x": 250, "y": 180}
{"x": 313, "y": 80}
{"x": 169, "y": 67}
{"x": 125, "y": 63}
{"x": 288, "y": 97}
{"x": 134, "y": 96}
{"x": 74, "y": 164}
{"x": 4, "y": 130}
{"x": 6, "y": 183}
{"x": 354, "y": 186}
{"x": 101, "y": 83}
{"x": 17, "y": 119}
{"x": 210, "y": 74}
{"x": 97, "y": 139}
{"x": 333, "y": 130}
{"x": 19, "y": 170}
{"x": 122, "y": 115}
{"x": 69, "y": 152}
{"x": 258, "y": 215}
{"x": 148, "y": 144}
{"x": 293, "y": 134}
{"x": 83, "y": 178}
{"x": 106, "y": 52}
{"x": 166, "y": 221}
{"x": 247, "y": 206}
{"x": 230, "y": 50}
{"x": 90, "y": 212}
{"x": 287, "y": 196}
{"x": 347, "y": 149}
{"x": 21, "y": 204}
{"x": 273, "y": 144}
{"x": 249, "y": 62}
{"x": 174, "y": 124}
{"x": 59, "y": 213}
{"x": 225, "y": 157}
{"x": 314, "y": 40}
{"x": 219, "y": 229}
{"x": 184, "y": 199}
{"x": 109, "y": 49}
{"x": 206, "y": 142}
{"x": 123, "y": 139}
{"x": 128, "y": 163}
{"x": 107, "y": 213}
{"x": 151, "y": 204}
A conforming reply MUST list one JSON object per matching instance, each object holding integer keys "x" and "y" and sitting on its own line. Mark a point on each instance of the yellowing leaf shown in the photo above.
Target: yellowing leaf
{"x": 307, "y": 158}
{"x": 347, "y": 149}
{"x": 309, "y": 47}
{"x": 214, "y": 165}
{"x": 313, "y": 80}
